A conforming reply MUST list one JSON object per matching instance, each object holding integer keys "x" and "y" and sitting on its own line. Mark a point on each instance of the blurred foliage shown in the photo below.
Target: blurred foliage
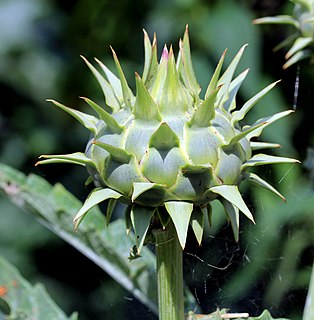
{"x": 39, "y": 58}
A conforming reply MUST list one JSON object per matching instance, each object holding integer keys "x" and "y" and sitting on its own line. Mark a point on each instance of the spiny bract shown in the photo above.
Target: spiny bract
{"x": 302, "y": 19}
{"x": 167, "y": 153}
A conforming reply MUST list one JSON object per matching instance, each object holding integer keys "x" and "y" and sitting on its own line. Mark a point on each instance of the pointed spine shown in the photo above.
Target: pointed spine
{"x": 173, "y": 96}
{"x": 88, "y": 121}
{"x": 111, "y": 99}
{"x": 74, "y": 158}
{"x": 126, "y": 91}
{"x": 214, "y": 80}
{"x": 145, "y": 107}
{"x": 227, "y": 76}
{"x": 186, "y": 66}
{"x": 240, "y": 114}
{"x": 113, "y": 80}
{"x": 112, "y": 124}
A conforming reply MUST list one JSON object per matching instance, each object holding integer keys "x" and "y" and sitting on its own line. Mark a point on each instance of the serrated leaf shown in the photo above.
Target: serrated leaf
{"x": 24, "y": 300}
{"x": 197, "y": 223}
{"x": 88, "y": 121}
{"x": 141, "y": 217}
{"x": 180, "y": 213}
{"x": 74, "y": 158}
{"x": 95, "y": 197}
{"x": 240, "y": 114}
{"x": 253, "y": 178}
{"x": 233, "y": 214}
{"x": 261, "y": 159}
{"x": 231, "y": 193}
{"x": 111, "y": 99}
{"x": 112, "y": 124}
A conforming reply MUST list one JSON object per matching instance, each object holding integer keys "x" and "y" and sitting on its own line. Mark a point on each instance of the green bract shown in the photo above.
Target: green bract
{"x": 302, "y": 19}
{"x": 165, "y": 152}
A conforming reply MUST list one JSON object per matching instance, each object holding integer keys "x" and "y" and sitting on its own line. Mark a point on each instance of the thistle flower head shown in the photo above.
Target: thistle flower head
{"x": 166, "y": 152}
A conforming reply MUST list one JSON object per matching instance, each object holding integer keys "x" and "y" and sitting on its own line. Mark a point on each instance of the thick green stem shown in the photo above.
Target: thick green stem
{"x": 169, "y": 274}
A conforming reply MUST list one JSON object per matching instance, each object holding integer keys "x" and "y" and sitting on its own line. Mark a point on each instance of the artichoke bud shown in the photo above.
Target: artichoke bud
{"x": 165, "y": 151}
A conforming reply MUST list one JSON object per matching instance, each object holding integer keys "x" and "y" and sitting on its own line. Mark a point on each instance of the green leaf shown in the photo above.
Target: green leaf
{"x": 109, "y": 247}
{"x": 197, "y": 223}
{"x": 232, "y": 194}
{"x": 299, "y": 44}
{"x": 24, "y": 300}
{"x": 95, "y": 197}
{"x": 141, "y": 218}
{"x": 164, "y": 138}
{"x": 141, "y": 187}
{"x": 175, "y": 99}
{"x": 245, "y": 133}
{"x": 261, "y": 159}
{"x": 145, "y": 107}
{"x": 111, "y": 99}
{"x": 281, "y": 19}
{"x": 164, "y": 217}
{"x": 112, "y": 124}
{"x": 117, "y": 154}
{"x": 233, "y": 214}
{"x": 75, "y": 158}
{"x": 256, "y": 145}
{"x": 251, "y": 177}
{"x": 240, "y": 114}
{"x": 203, "y": 115}
{"x": 180, "y": 213}
{"x": 88, "y": 121}
{"x": 110, "y": 208}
